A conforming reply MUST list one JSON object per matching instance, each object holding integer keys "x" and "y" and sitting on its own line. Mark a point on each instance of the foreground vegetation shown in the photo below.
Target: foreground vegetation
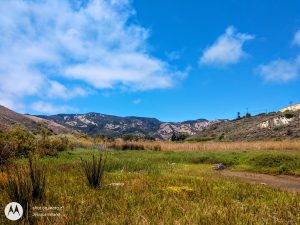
{"x": 157, "y": 187}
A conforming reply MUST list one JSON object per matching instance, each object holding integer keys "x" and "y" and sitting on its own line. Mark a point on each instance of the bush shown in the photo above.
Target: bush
{"x": 100, "y": 138}
{"x": 132, "y": 137}
{"x": 94, "y": 171}
{"x": 50, "y": 146}
{"x": 5, "y": 153}
{"x": 288, "y": 115}
{"x": 178, "y": 137}
{"x": 200, "y": 139}
{"x": 127, "y": 146}
{"x": 282, "y": 163}
{"x": 268, "y": 160}
{"x": 132, "y": 146}
{"x": 20, "y": 141}
{"x": 61, "y": 144}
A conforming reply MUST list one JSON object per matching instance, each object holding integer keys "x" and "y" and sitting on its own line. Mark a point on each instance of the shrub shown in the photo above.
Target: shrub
{"x": 132, "y": 146}
{"x": 94, "y": 171}
{"x": 20, "y": 141}
{"x": 283, "y": 163}
{"x": 100, "y": 138}
{"x": 289, "y": 132}
{"x": 132, "y": 137}
{"x": 5, "y": 153}
{"x": 200, "y": 139}
{"x": 60, "y": 144}
{"x": 288, "y": 115}
{"x": 127, "y": 146}
{"x": 178, "y": 137}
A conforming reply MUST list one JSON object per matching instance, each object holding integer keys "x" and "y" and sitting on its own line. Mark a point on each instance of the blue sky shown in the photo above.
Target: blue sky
{"x": 173, "y": 60}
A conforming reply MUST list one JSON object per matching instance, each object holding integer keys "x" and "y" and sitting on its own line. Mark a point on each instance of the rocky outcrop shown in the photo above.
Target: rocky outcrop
{"x": 97, "y": 123}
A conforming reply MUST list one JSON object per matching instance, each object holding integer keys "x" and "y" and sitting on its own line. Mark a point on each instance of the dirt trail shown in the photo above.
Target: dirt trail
{"x": 283, "y": 182}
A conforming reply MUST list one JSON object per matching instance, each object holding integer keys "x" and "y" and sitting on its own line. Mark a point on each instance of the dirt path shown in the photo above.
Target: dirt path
{"x": 283, "y": 182}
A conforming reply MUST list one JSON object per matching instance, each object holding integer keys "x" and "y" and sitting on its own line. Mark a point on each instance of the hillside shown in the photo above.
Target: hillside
{"x": 55, "y": 127}
{"x": 9, "y": 119}
{"x": 279, "y": 125}
{"x": 97, "y": 123}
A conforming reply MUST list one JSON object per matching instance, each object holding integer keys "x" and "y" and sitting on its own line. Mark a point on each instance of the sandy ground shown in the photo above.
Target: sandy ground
{"x": 283, "y": 182}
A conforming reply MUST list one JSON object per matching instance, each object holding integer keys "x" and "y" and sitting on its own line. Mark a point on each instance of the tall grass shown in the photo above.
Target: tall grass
{"x": 94, "y": 171}
{"x": 19, "y": 188}
{"x": 38, "y": 179}
{"x": 25, "y": 185}
{"x": 223, "y": 146}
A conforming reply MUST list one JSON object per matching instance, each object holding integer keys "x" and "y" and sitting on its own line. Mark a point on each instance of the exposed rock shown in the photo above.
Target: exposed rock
{"x": 219, "y": 166}
{"x": 274, "y": 122}
{"x": 116, "y": 185}
{"x": 96, "y": 123}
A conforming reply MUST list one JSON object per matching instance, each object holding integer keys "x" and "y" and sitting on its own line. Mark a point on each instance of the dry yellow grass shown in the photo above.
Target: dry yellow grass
{"x": 281, "y": 146}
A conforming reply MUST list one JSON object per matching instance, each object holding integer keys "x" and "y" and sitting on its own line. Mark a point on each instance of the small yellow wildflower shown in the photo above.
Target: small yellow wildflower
{"x": 178, "y": 189}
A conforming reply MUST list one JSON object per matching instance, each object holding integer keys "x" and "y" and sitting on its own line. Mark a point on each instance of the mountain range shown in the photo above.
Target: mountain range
{"x": 284, "y": 124}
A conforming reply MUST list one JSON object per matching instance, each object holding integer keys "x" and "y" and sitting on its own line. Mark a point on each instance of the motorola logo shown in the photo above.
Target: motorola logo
{"x": 13, "y": 211}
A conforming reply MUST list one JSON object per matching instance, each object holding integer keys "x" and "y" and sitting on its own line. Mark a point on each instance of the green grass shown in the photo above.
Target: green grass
{"x": 167, "y": 188}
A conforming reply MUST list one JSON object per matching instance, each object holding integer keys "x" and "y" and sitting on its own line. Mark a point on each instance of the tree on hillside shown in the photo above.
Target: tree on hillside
{"x": 178, "y": 137}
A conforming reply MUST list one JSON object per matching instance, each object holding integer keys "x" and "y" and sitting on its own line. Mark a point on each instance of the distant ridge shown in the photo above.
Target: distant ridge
{"x": 116, "y": 126}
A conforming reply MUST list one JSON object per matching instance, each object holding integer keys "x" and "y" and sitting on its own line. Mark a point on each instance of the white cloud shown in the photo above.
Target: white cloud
{"x": 93, "y": 44}
{"x": 137, "y": 101}
{"x": 58, "y": 90}
{"x": 296, "y": 40}
{"x": 45, "y": 107}
{"x": 227, "y": 49}
{"x": 174, "y": 55}
{"x": 280, "y": 70}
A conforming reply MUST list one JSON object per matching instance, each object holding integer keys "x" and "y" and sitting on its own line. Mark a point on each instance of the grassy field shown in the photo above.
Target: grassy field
{"x": 167, "y": 188}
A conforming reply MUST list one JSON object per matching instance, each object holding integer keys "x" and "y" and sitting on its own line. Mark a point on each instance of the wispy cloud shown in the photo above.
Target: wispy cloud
{"x": 174, "y": 55}
{"x": 44, "y": 44}
{"x": 282, "y": 70}
{"x": 137, "y": 101}
{"x": 279, "y": 70}
{"x": 227, "y": 49}
{"x": 296, "y": 40}
{"x": 58, "y": 90}
{"x": 45, "y": 107}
